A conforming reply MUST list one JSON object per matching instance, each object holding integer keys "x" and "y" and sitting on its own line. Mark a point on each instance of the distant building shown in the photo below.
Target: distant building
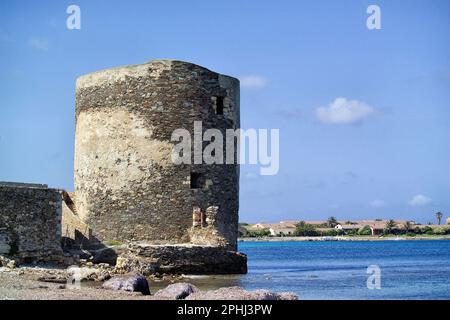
{"x": 376, "y": 226}
{"x": 347, "y": 227}
{"x": 281, "y": 231}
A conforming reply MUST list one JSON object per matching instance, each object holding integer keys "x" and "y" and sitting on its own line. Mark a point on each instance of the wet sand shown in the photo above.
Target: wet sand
{"x": 15, "y": 286}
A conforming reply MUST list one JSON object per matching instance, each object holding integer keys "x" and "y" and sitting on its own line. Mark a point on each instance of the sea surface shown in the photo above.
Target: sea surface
{"x": 338, "y": 269}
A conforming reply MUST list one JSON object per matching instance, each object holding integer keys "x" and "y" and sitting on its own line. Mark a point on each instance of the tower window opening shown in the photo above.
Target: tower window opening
{"x": 196, "y": 180}
{"x": 219, "y": 105}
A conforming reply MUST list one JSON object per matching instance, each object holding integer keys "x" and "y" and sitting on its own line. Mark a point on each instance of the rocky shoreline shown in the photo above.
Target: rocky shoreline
{"x": 99, "y": 282}
{"x": 127, "y": 278}
{"x": 122, "y": 271}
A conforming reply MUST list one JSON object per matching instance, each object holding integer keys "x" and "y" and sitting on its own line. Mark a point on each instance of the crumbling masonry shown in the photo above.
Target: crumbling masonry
{"x": 127, "y": 189}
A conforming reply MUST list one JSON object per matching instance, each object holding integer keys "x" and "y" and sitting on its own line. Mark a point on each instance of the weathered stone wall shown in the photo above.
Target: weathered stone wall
{"x": 74, "y": 231}
{"x": 125, "y": 183}
{"x": 30, "y": 222}
{"x": 185, "y": 259}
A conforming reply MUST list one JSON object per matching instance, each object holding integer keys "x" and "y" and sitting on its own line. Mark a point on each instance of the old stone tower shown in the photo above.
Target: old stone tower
{"x": 126, "y": 186}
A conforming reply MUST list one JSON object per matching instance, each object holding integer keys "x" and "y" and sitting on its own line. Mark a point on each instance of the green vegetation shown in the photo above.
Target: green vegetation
{"x": 441, "y": 231}
{"x": 351, "y": 232}
{"x": 304, "y": 229}
{"x": 326, "y": 229}
{"x": 365, "y": 231}
{"x": 333, "y": 233}
{"x": 258, "y": 233}
{"x": 412, "y": 232}
{"x": 407, "y": 226}
{"x": 428, "y": 230}
{"x": 332, "y": 222}
{"x": 390, "y": 225}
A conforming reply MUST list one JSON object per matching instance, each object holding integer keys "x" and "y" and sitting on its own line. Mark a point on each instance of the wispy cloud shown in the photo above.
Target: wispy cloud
{"x": 419, "y": 200}
{"x": 344, "y": 111}
{"x": 378, "y": 203}
{"x": 253, "y": 81}
{"x": 38, "y": 43}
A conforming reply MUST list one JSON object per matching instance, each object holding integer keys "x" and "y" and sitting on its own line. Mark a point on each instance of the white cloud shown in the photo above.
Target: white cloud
{"x": 37, "y": 43}
{"x": 378, "y": 203}
{"x": 419, "y": 200}
{"x": 343, "y": 111}
{"x": 253, "y": 81}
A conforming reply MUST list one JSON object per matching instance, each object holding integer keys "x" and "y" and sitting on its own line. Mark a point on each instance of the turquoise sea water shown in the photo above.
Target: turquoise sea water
{"x": 337, "y": 270}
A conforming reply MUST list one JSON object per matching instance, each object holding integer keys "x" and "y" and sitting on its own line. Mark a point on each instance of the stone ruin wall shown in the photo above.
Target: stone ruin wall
{"x": 30, "y": 222}
{"x": 125, "y": 183}
{"x": 75, "y": 233}
{"x": 37, "y": 222}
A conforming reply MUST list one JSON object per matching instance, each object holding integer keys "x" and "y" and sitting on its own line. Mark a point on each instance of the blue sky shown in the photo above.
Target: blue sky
{"x": 387, "y": 158}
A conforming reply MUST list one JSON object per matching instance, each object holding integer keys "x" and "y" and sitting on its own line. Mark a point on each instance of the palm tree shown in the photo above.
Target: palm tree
{"x": 439, "y": 217}
{"x": 390, "y": 224}
{"x": 332, "y": 222}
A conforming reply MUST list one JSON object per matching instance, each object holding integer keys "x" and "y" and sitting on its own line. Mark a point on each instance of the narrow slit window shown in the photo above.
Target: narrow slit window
{"x": 195, "y": 180}
{"x": 219, "y": 105}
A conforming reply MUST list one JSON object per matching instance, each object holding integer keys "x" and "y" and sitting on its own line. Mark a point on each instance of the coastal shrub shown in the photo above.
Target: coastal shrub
{"x": 439, "y": 231}
{"x": 365, "y": 231}
{"x": 332, "y": 222}
{"x": 394, "y": 231}
{"x": 428, "y": 230}
{"x": 390, "y": 225}
{"x": 417, "y": 230}
{"x": 329, "y": 233}
{"x": 333, "y": 233}
{"x": 305, "y": 230}
{"x": 258, "y": 233}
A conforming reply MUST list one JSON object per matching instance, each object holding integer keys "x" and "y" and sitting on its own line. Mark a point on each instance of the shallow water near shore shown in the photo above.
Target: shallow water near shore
{"x": 338, "y": 270}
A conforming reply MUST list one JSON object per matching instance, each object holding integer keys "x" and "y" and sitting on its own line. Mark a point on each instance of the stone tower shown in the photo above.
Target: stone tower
{"x": 126, "y": 185}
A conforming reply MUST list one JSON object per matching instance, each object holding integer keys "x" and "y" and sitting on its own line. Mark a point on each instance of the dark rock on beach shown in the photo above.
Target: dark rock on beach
{"x": 131, "y": 282}
{"x": 237, "y": 293}
{"x": 177, "y": 291}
